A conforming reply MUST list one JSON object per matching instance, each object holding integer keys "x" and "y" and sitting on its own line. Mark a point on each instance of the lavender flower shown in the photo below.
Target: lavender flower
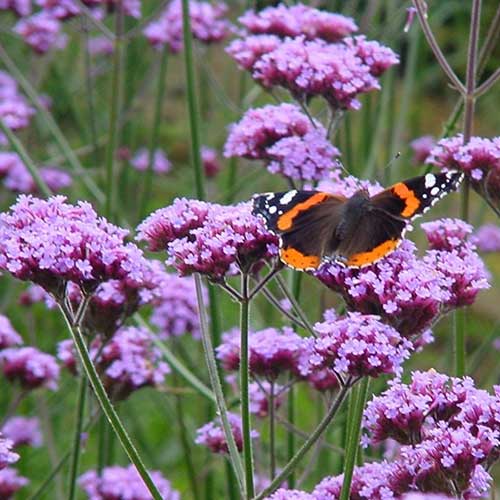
{"x": 51, "y": 242}
{"x": 15, "y": 111}
{"x": 211, "y": 164}
{"x": 359, "y": 345}
{"x": 19, "y": 7}
{"x": 487, "y": 238}
{"x": 259, "y": 397}
{"x": 41, "y": 32}
{"x": 425, "y": 496}
{"x": 284, "y": 494}
{"x": 59, "y": 9}
{"x": 297, "y": 20}
{"x": 161, "y": 164}
{"x": 212, "y": 436}
{"x": 422, "y": 147}
{"x": 123, "y": 482}
{"x": 175, "y": 311}
{"x": 247, "y": 51}
{"x": 23, "y": 431}
{"x": 270, "y": 351}
{"x": 447, "y": 234}
{"x": 11, "y": 482}
{"x": 100, "y": 46}
{"x": 129, "y": 361}
{"x": 30, "y": 367}
{"x": 479, "y": 159}
{"x": 7, "y": 456}
{"x": 8, "y": 336}
{"x": 207, "y": 25}
{"x": 209, "y": 239}
{"x": 34, "y": 294}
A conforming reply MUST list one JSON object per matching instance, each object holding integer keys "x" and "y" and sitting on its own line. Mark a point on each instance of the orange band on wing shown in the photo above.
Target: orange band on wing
{"x": 293, "y": 258}
{"x": 365, "y": 258}
{"x": 408, "y": 196}
{"x": 286, "y": 220}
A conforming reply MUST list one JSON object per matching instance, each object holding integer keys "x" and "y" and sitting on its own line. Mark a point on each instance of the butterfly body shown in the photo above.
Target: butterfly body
{"x": 315, "y": 226}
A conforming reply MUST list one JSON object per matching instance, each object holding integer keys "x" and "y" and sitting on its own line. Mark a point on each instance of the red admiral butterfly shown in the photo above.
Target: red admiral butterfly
{"x": 355, "y": 231}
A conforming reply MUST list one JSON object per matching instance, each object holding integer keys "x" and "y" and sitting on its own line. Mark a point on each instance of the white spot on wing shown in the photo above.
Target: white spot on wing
{"x": 430, "y": 180}
{"x": 272, "y": 210}
{"x": 288, "y": 197}
{"x": 434, "y": 191}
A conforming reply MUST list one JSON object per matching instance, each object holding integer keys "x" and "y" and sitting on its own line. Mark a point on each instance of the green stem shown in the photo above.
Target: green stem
{"x": 192, "y": 102}
{"x": 160, "y": 92}
{"x": 354, "y": 435}
{"x": 244, "y": 383}
{"x": 272, "y": 434}
{"x": 107, "y": 407}
{"x": 292, "y": 464}
{"x": 18, "y": 147}
{"x": 217, "y": 386}
{"x": 80, "y": 412}
{"x": 115, "y": 98}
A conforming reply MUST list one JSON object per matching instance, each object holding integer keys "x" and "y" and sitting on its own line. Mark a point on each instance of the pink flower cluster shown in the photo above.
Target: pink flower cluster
{"x": 160, "y": 164}
{"x": 42, "y": 32}
{"x": 23, "y": 431}
{"x": 11, "y": 482}
{"x": 123, "y": 482}
{"x": 7, "y": 456}
{"x": 208, "y": 25}
{"x": 15, "y": 112}
{"x": 19, "y": 7}
{"x": 284, "y": 136}
{"x": 422, "y": 147}
{"x": 212, "y": 435}
{"x": 17, "y": 178}
{"x": 487, "y": 238}
{"x": 211, "y": 164}
{"x": 208, "y": 238}
{"x": 8, "y": 335}
{"x": 128, "y": 361}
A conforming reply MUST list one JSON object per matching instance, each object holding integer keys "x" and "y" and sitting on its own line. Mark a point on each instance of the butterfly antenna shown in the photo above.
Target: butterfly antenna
{"x": 397, "y": 156}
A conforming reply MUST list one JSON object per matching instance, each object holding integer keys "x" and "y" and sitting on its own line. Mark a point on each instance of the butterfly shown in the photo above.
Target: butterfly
{"x": 315, "y": 226}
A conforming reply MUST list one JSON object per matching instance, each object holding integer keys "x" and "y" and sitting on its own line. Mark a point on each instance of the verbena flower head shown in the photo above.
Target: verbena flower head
{"x": 315, "y": 68}
{"x": 487, "y": 238}
{"x": 208, "y": 24}
{"x": 247, "y": 51}
{"x": 211, "y": 163}
{"x": 100, "y": 45}
{"x": 15, "y": 111}
{"x": 160, "y": 164}
{"x": 422, "y": 147}
{"x": 29, "y": 367}
{"x": 479, "y": 159}
{"x": 175, "y": 310}
{"x": 128, "y": 361}
{"x": 425, "y": 496}
{"x": 271, "y": 351}
{"x": 298, "y": 19}
{"x": 259, "y": 393}
{"x": 7, "y": 456}
{"x": 212, "y": 435}
{"x": 51, "y": 242}
{"x": 447, "y": 234}
{"x": 60, "y": 9}
{"x": 123, "y": 482}
{"x": 285, "y": 494}
{"x": 284, "y": 136}
{"x": 359, "y": 345}
{"x": 23, "y": 431}
{"x": 8, "y": 336}
{"x": 11, "y": 482}
{"x": 406, "y": 412}
{"x": 208, "y": 238}
{"x": 42, "y": 32}
{"x": 19, "y": 7}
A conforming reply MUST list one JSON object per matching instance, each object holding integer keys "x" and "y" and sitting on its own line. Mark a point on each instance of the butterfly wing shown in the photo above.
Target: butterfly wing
{"x": 304, "y": 221}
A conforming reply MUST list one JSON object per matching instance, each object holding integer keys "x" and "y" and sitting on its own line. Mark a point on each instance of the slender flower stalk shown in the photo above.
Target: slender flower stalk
{"x": 244, "y": 383}
{"x": 353, "y": 437}
{"x": 106, "y": 405}
{"x": 114, "y": 125}
{"x": 272, "y": 433}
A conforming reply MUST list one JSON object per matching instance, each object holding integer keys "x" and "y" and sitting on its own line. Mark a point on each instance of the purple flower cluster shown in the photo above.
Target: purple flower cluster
{"x": 7, "y": 456}
{"x": 296, "y": 20}
{"x": 487, "y": 238}
{"x": 358, "y": 346}
{"x": 259, "y": 393}
{"x": 30, "y": 367}
{"x": 128, "y": 361}
{"x": 8, "y": 336}
{"x": 212, "y": 435}
{"x": 175, "y": 310}
{"x": 42, "y": 32}
{"x": 11, "y": 482}
{"x": 284, "y": 136}
{"x": 422, "y": 147}
{"x": 207, "y": 25}
{"x": 18, "y": 179}
{"x": 15, "y": 111}
{"x": 409, "y": 292}
{"x": 271, "y": 352}
{"x": 19, "y": 7}
{"x": 161, "y": 164}
{"x": 123, "y": 482}
{"x": 479, "y": 159}
{"x": 51, "y": 242}
{"x": 59, "y": 9}
{"x": 23, "y": 431}
{"x": 208, "y": 238}
{"x": 100, "y": 46}
{"x": 211, "y": 164}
